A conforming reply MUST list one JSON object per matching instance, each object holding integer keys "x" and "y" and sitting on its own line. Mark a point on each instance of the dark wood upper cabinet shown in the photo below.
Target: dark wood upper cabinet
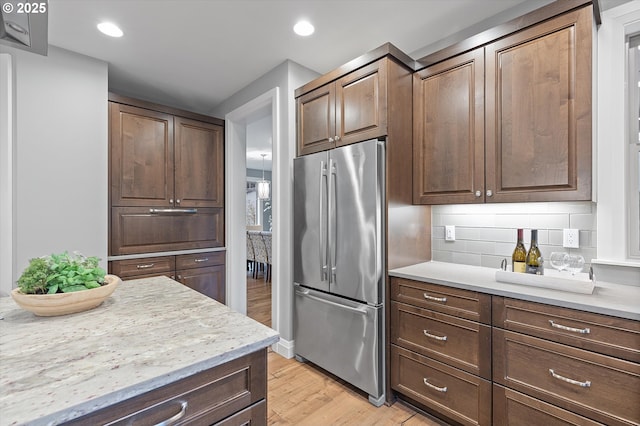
{"x": 531, "y": 121}
{"x": 161, "y": 160}
{"x": 347, "y": 110}
{"x": 538, "y": 100}
{"x": 199, "y": 164}
{"x": 141, "y": 157}
{"x": 449, "y": 131}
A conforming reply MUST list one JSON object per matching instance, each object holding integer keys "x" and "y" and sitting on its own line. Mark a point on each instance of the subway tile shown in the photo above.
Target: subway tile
{"x": 513, "y": 221}
{"x": 582, "y": 221}
{"x": 480, "y": 247}
{"x": 490, "y": 261}
{"x": 437, "y": 232}
{"x": 466, "y": 233}
{"x": 550, "y": 221}
{"x": 504, "y": 249}
{"x": 498, "y": 234}
{"x": 441, "y": 256}
{"x": 466, "y": 258}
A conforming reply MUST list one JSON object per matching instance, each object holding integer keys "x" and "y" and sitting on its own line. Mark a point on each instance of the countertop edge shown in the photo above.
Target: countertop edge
{"x": 539, "y": 298}
{"x": 112, "y": 398}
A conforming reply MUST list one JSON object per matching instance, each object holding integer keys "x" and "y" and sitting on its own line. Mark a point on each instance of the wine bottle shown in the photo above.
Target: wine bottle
{"x": 534, "y": 257}
{"x": 519, "y": 256}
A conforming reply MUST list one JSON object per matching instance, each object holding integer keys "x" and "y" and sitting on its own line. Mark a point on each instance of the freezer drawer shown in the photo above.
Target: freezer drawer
{"x": 341, "y": 336}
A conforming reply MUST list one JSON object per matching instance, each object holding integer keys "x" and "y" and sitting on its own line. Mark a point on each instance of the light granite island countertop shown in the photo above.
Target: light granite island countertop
{"x": 151, "y": 332}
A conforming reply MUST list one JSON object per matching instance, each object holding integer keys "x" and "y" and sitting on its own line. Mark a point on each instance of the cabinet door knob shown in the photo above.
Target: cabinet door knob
{"x": 170, "y": 200}
{"x": 178, "y": 201}
{"x": 331, "y": 140}
{"x": 478, "y": 194}
{"x": 337, "y": 138}
{"x": 489, "y": 193}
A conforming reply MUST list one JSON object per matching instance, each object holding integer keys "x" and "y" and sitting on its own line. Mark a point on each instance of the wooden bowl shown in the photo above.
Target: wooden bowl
{"x": 49, "y": 305}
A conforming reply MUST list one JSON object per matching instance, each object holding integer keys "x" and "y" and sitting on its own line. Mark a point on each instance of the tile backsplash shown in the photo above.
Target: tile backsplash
{"x": 486, "y": 233}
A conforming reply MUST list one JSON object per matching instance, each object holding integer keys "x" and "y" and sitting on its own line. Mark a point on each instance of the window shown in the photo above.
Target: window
{"x": 633, "y": 153}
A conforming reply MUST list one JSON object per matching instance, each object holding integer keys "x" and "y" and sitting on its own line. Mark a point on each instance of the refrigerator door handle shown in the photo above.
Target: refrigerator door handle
{"x": 306, "y": 293}
{"x": 333, "y": 228}
{"x": 322, "y": 217}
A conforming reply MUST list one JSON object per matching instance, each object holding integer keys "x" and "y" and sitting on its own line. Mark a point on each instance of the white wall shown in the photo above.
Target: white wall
{"x": 287, "y": 77}
{"x": 60, "y": 142}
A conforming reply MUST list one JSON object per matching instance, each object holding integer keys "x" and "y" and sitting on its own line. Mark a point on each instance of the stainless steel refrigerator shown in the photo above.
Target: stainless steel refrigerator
{"x": 338, "y": 274}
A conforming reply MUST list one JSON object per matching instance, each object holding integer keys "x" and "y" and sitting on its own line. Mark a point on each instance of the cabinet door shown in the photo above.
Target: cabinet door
{"x": 209, "y": 281}
{"x": 316, "y": 120}
{"x": 449, "y": 131}
{"x": 361, "y": 104}
{"x": 141, "y": 157}
{"x": 199, "y": 164}
{"x": 538, "y": 106}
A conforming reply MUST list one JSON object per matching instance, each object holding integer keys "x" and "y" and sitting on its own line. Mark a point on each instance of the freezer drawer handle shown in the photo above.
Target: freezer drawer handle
{"x": 435, "y": 299}
{"x": 433, "y": 336}
{"x": 205, "y": 259}
{"x": 305, "y": 293}
{"x": 442, "y": 389}
{"x": 586, "y": 330}
{"x": 585, "y": 384}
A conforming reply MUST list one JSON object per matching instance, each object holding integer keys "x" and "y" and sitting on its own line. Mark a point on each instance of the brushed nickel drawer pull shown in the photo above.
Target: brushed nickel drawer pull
{"x": 585, "y": 384}
{"x": 435, "y": 299}
{"x": 426, "y": 382}
{"x": 171, "y": 420}
{"x": 206, "y": 259}
{"x": 145, "y": 266}
{"x": 173, "y": 211}
{"x": 574, "y": 330}
{"x": 433, "y": 336}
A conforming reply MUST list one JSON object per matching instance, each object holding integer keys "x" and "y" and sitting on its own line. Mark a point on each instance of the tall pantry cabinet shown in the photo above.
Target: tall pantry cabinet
{"x": 166, "y": 194}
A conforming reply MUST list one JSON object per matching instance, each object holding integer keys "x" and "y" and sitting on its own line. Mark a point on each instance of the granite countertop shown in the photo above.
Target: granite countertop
{"x": 607, "y": 298}
{"x": 149, "y": 333}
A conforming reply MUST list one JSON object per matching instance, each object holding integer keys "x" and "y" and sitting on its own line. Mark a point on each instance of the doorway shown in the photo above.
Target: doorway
{"x": 238, "y": 128}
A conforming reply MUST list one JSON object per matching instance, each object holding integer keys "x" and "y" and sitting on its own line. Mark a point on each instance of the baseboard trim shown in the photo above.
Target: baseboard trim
{"x": 284, "y": 348}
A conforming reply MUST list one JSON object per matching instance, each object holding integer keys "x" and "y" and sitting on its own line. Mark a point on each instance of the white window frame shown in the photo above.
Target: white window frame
{"x": 613, "y": 187}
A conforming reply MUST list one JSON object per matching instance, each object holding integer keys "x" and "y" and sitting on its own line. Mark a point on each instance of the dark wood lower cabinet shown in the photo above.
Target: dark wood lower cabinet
{"x": 451, "y": 392}
{"x": 204, "y": 272}
{"x": 511, "y": 408}
{"x": 208, "y": 281}
{"x": 234, "y": 393}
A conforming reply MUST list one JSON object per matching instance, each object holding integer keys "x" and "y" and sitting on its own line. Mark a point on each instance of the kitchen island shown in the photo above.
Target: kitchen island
{"x": 151, "y": 335}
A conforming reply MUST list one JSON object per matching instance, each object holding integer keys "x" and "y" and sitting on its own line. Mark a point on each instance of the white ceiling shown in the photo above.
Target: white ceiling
{"x": 194, "y": 54}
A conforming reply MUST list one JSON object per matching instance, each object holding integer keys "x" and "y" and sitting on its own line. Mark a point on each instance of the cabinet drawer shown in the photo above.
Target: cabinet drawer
{"x": 199, "y": 260}
{"x": 148, "y": 266}
{"x": 139, "y": 230}
{"x": 458, "y": 342}
{"x": 209, "y": 281}
{"x": 597, "y": 386}
{"x": 453, "y": 393}
{"x": 617, "y": 337}
{"x": 205, "y": 398}
{"x": 460, "y": 303}
{"x": 514, "y": 408}
{"x": 256, "y": 415}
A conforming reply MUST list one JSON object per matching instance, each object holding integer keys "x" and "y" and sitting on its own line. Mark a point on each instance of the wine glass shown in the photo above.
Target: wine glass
{"x": 575, "y": 263}
{"x": 559, "y": 260}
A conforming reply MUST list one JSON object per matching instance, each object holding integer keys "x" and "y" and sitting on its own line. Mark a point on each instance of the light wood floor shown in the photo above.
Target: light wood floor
{"x": 304, "y": 394}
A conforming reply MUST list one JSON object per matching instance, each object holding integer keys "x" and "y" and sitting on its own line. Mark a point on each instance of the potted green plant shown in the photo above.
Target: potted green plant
{"x": 63, "y": 283}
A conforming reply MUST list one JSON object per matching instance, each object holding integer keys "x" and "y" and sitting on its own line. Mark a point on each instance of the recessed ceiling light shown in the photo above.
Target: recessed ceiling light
{"x": 303, "y": 28}
{"x": 110, "y": 29}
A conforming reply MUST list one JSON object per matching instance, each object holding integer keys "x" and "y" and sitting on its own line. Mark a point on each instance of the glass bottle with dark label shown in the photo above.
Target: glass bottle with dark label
{"x": 534, "y": 257}
{"x": 519, "y": 256}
